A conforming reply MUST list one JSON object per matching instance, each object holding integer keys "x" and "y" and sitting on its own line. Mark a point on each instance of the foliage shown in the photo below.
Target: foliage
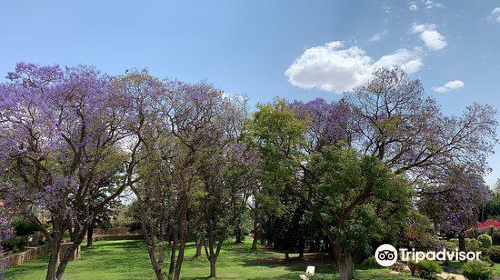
{"x": 15, "y": 243}
{"x": 492, "y": 209}
{"x": 24, "y": 227}
{"x": 358, "y": 178}
{"x": 494, "y": 254}
{"x": 472, "y": 245}
{"x": 454, "y": 202}
{"x": 416, "y": 231}
{"x": 425, "y": 269}
{"x": 477, "y": 270}
{"x": 370, "y": 263}
{"x": 57, "y": 127}
{"x": 486, "y": 241}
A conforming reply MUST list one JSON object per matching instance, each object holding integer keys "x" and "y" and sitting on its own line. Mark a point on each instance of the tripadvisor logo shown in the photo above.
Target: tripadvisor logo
{"x": 387, "y": 255}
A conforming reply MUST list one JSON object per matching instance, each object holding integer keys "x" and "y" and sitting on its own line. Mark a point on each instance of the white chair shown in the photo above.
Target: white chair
{"x": 303, "y": 277}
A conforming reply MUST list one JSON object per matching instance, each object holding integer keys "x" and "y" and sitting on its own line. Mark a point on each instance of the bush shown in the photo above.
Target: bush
{"x": 370, "y": 263}
{"x": 425, "y": 269}
{"x": 486, "y": 241}
{"x": 477, "y": 270}
{"x": 16, "y": 243}
{"x": 495, "y": 254}
{"x": 472, "y": 245}
{"x": 22, "y": 227}
{"x": 451, "y": 245}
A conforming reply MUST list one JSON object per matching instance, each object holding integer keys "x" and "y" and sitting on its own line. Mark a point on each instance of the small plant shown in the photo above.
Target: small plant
{"x": 486, "y": 241}
{"x": 425, "y": 269}
{"x": 370, "y": 263}
{"x": 477, "y": 270}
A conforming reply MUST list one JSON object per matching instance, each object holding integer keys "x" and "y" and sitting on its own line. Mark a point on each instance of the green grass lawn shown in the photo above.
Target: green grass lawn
{"x": 120, "y": 260}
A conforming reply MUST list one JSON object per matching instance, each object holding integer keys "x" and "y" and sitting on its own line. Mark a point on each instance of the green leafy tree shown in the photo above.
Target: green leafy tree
{"x": 352, "y": 196}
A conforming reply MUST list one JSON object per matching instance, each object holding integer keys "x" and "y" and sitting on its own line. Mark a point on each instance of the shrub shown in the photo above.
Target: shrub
{"x": 451, "y": 246}
{"x": 472, "y": 245}
{"x": 486, "y": 241}
{"x": 477, "y": 270}
{"x": 425, "y": 269}
{"x": 15, "y": 243}
{"x": 429, "y": 269}
{"x": 22, "y": 227}
{"x": 370, "y": 263}
{"x": 495, "y": 254}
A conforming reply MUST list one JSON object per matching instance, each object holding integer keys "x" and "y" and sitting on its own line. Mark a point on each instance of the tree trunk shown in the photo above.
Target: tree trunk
{"x": 287, "y": 256}
{"x": 171, "y": 267}
{"x": 254, "y": 243}
{"x": 238, "y": 236}
{"x": 345, "y": 263}
{"x": 182, "y": 239}
{"x": 54, "y": 259}
{"x": 199, "y": 246}
{"x": 461, "y": 241}
{"x": 212, "y": 267}
{"x": 77, "y": 239}
{"x": 90, "y": 236}
{"x": 301, "y": 247}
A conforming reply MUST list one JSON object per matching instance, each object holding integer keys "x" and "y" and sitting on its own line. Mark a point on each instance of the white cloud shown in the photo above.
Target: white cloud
{"x": 429, "y": 4}
{"x": 413, "y": 7}
{"x": 336, "y": 69}
{"x": 377, "y": 37}
{"x": 403, "y": 58}
{"x": 449, "y": 86}
{"x": 495, "y": 15}
{"x": 431, "y": 37}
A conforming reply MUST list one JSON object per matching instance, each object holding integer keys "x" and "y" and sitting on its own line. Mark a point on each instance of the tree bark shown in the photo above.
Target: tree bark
{"x": 287, "y": 256}
{"x": 90, "y": 236}
{"x": 345, "y": 263}
{"x": 254, "y": 243}
{"x": 238, "y": 236}
{"x": 54, "y": 259}
{"x": 461, "y": 241}
{"x": 213, "y": 272}
{"x": 182, "y": 235}
{"x": 199, "y": 246}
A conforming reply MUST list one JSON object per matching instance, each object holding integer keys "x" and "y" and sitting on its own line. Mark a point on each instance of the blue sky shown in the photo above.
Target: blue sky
{"x": 261, "y": 48}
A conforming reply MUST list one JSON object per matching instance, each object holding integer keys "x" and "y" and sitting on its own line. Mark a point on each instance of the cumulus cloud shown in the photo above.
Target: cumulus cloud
{"x": 413, "y": 7}
{"x": 429, "y": 34}
{"x": 403, "y": 58}
{"x": 335, "y": 68}
{"x": 449, "y": 86}
{"x": 495, "y": 15}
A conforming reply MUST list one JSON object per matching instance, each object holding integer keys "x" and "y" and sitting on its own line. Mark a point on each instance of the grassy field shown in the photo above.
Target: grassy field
{"x": 127, "y": 260}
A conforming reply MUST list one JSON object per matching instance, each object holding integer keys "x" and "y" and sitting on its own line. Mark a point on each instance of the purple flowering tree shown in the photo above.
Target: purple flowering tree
{"x": 455, "y": 200}
{"x": 394, "y": 120}
{"x": 57, "y": 126}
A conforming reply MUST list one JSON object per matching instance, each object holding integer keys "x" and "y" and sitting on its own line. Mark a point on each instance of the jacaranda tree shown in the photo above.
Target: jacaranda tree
{"x": 57, "y": 125}
{"x": 455, "y": 201}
